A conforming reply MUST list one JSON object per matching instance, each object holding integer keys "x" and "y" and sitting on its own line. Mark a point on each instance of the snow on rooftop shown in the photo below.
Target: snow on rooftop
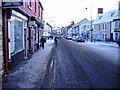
{"x": 106, "y": 17}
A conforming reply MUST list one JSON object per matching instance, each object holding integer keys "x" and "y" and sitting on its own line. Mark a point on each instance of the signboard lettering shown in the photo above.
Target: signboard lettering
{"x": 12, "y": 3}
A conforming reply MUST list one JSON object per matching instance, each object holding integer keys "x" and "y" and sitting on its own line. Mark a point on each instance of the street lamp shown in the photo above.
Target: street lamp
{"x": 51, "y": 26}
{"x": 91, "y": 29}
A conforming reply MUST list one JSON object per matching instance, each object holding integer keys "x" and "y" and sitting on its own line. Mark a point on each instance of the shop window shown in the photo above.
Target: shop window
{"x": 16, "y": 35}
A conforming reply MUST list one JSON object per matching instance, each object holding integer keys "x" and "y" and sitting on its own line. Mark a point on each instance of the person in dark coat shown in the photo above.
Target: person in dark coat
{"x": 118, "y": 42}
{"x": 42, "y": 42}
{"x": 56, "y": 40}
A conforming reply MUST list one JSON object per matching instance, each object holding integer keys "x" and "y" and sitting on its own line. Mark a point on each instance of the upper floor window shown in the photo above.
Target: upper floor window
{"x": 104, "y": 26}
{"x": 99, "y": 27}
{"x": 117, "y": 24}
{"x": 38, "y": 11}
{"x": 41, "y": 15}
{"x": 29, "y": 4}
{"x": 35, "y": 6}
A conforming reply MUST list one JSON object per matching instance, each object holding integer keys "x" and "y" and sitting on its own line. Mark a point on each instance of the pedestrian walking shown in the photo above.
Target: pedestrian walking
{"x": 43, "y": 41}
{"x": 56, "y": 40}
{"x": 118, "y": 42}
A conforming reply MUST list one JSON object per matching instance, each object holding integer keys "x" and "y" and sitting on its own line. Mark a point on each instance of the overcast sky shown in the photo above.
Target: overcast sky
{"x": 62, "y": 12}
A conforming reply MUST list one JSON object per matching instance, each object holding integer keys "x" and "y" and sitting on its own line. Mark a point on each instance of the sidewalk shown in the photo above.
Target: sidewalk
{"x": 30, "y": 73}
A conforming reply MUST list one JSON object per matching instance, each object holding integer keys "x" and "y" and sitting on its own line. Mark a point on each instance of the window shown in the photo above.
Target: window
{"x": 29, "y": 4}
{"x": 117, "y": 24}
{"x": 41, "y": 15}
{"x": 16, "y": 35}
{"x": 35, "y": 6}
{"x": 116, "y": 36}
{"x": 99, "y": 27}
{"x": 103, "y": 26}
{"x": 103, "y": 36}
{"x": 38, "y": 11}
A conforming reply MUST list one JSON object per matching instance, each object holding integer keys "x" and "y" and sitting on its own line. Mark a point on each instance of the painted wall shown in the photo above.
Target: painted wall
{"x": 35, "y": 9}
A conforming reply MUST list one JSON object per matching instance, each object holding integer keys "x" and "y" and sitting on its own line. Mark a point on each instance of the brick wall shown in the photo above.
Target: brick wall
{"x": 1, "y": 47}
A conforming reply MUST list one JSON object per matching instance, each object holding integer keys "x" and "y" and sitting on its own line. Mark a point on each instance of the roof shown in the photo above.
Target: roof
{"x": 106, "y": 17}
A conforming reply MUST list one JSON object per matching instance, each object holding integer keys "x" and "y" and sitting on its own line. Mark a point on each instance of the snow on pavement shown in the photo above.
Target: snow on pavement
{"x": 33, "y": 71}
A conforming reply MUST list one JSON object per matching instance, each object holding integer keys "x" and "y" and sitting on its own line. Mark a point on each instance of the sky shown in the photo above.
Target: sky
{"x": 60, "y": 13}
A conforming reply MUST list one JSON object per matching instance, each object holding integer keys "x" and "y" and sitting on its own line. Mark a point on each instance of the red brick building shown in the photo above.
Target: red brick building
{"x": 22, "y": 30}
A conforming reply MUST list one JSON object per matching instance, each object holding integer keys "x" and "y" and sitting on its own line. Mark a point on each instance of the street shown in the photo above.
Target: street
{"x": 77, "y": 65}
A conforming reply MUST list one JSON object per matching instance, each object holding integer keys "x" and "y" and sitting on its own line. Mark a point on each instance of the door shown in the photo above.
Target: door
{"x": 26, "y": 42}
{"x": 111, "y": 36}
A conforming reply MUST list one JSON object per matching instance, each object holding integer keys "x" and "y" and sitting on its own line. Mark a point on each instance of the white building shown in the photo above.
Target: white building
{"x": 104, "y": 25}
{"x": 83, "y": 27}
{"x": 115, "y": 26}
{"x": 47, "y": 30}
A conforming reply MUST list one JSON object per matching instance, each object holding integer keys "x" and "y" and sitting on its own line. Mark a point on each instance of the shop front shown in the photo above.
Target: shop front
{"x": 17, "y": 35}
{"x": 37, "y": 32}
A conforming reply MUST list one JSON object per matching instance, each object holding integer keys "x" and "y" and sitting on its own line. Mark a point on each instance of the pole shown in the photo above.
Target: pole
{"x": 91, "y": 25}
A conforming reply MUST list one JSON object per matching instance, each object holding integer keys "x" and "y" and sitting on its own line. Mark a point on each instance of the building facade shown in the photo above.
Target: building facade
{"x": 104, "y": 26}
{"x": 47, "y": 30}
{"x": 23, "y": 28}
{"x": 115, "y": 25}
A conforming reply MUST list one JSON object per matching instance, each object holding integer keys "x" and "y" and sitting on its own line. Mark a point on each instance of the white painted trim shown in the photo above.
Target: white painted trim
{"x": 15, "y": 13}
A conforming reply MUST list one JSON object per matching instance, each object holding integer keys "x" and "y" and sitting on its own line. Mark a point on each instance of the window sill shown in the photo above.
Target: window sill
{"x": 35, "y": 14}
{"x": 29, "y": 7}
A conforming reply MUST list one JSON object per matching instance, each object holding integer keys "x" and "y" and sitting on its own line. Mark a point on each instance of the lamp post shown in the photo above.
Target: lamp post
{"x": 51, "y": 27}
{"x": 91, "y": 29}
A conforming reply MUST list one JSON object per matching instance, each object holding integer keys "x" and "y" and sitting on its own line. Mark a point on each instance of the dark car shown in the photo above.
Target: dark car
{"x": 80, "y": 39}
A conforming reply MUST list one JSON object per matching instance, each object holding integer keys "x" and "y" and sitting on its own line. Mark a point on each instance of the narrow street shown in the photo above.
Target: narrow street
{"x": 77, "y": 65}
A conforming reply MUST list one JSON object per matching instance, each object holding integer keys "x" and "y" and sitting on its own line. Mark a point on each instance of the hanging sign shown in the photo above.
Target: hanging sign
{"x": 12, "y": 3}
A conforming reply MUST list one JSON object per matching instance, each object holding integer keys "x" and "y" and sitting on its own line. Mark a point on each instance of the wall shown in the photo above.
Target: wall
{"x": 31, "y": 10}
{"x": 1, "y": 47}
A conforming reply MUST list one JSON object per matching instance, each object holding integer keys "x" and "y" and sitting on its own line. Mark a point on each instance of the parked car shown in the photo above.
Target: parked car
{"x": 80, "y": 39}
{"x": 69, "y": 37}
{"x": 74, "y": 38}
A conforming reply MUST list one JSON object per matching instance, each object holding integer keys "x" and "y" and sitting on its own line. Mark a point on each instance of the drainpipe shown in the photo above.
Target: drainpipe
{"x": 30, "y": 38}
{"x": 110, "y": 31}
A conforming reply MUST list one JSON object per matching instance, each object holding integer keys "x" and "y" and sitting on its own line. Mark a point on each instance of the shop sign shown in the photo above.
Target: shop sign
{"x": 32, "y": 24}
{"x": 12, "y": 3}
{"x": 116, "y": 30}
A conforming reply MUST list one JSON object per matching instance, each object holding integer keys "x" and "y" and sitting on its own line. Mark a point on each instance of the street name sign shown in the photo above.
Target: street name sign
{"x": 12, "y": 3}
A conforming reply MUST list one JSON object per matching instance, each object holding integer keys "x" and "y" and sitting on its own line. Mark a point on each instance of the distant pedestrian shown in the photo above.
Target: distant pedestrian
{"x": 118, "y": 42}
{"x": 56, "y": 40}
{"x": 43, "y": 41}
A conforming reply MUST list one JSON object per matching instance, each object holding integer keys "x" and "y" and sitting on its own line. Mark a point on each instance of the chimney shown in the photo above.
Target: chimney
{"x": 100, "y": 10}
